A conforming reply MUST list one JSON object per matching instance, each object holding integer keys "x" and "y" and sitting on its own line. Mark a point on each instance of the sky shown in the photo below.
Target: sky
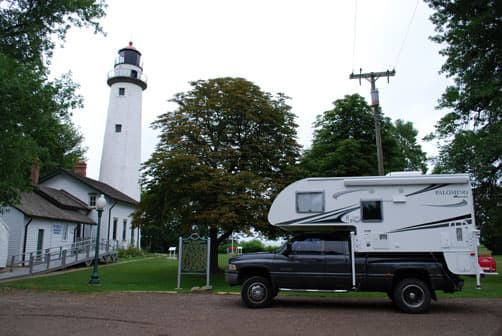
{"x": 304, "y": 49}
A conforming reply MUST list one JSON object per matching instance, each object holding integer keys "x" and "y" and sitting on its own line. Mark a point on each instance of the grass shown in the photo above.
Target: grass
{"x": 158, "y": 273}
{"x": 149, "y": 273}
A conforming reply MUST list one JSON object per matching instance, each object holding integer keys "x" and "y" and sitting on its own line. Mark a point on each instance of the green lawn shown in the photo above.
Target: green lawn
{"x": 150, "y": 273}
{"x": 158, "y": 273}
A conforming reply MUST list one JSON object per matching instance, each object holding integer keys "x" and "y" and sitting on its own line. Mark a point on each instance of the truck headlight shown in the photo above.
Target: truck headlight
{"x": 232, "y": 267}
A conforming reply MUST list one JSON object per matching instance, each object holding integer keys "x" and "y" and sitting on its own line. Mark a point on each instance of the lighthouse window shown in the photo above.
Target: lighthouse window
{"x": 134, "y": 74}
{"x": 118, "y": 128}
{"x": 121, "y": 91}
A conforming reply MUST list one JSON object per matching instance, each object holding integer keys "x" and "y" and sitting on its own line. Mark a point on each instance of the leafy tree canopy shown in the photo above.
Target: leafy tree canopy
{"x": 222, "y": 155}
{"x": 344, "y": 142}
{"x": 34, "y": 111}
{"x": 469, "y": 134}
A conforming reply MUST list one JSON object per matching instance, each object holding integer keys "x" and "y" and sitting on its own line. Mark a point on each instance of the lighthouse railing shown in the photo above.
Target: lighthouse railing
{"x": 127, "y": 73}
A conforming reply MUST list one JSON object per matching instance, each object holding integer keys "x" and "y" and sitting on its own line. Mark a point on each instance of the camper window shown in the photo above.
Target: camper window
{"x": 371, "y": 211}
{"x": 310, "y": 202}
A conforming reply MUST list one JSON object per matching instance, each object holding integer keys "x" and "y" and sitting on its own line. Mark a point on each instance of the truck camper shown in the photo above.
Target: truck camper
{"x": 426, "y": 213}
{"x": 405, "y": 234}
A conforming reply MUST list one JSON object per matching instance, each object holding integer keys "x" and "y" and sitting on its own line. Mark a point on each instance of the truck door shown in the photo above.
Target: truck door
{"x": 338, "y": 274}
{"x": 304, "y": 268}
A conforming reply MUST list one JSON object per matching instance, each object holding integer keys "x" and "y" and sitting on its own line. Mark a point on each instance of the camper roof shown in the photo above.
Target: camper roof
{"x": 397, "y": 179}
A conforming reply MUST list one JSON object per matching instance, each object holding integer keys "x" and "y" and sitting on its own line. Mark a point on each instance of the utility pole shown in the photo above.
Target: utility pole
{"x": 372, "y": 78}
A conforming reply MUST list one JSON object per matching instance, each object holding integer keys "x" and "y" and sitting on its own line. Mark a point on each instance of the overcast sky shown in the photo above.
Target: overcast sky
{"x": 305, "y": 49}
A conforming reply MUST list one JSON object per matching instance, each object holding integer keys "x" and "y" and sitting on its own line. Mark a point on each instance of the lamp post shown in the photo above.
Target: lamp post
{"x": 100, "y": 205}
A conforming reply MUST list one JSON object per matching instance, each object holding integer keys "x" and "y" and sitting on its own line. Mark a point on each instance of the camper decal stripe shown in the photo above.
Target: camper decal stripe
{"x": 459, "y": 204}
{"x": 433, "y": 225}
{"x": 323, "y": 217}
{"x": 426, "y": 189}
{"x": 338, "y": 218}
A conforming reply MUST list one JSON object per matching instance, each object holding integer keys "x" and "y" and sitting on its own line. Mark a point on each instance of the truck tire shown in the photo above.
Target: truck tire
{"x": 256, "y": 292}
{"x": 412, "y": 296}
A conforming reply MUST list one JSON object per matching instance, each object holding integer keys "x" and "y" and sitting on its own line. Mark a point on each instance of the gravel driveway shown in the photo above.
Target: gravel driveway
{"x": 60, "y": 313}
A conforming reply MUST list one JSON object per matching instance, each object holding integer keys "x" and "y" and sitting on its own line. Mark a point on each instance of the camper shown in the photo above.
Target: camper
{"x": 407, "y": 235}
{"x": 399, "y": 213}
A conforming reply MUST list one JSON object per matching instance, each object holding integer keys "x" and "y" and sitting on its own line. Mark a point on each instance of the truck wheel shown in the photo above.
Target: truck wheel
{"x": 412, "y": 296}
{"x": 256, "y": 292}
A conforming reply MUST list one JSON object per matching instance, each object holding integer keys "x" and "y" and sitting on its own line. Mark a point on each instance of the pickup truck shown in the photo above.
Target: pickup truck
{"x": 323, "y": 263}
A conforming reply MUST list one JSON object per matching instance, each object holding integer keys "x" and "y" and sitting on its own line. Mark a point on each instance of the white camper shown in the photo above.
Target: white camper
{"x": 397, "y": 213}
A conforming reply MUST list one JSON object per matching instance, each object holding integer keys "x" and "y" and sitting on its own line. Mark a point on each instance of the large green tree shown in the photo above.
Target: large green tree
{"x": 469, "y": 135}
{"x": 222, "y": 155}
{"x": 35, "y": 112}
{"x": 344, "y": 142}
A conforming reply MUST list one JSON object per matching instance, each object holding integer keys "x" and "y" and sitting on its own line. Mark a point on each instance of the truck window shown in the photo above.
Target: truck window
{"x": 336, "y": 247}
{"x": 306, "y": 246}
{"x": 371, "y": 211}
{"x": 309, "y": 202}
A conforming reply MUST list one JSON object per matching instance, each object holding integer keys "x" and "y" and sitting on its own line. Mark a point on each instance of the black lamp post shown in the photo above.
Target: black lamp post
{"x": 100, "y": 205}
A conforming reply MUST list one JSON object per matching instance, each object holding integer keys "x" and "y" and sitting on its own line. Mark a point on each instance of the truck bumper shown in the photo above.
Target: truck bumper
{"x": 232, "y": 278}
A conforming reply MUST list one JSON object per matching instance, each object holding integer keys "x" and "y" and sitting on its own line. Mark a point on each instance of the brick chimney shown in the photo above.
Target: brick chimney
{"x": 35, "y": 172}
{"x": 80, "y": 168}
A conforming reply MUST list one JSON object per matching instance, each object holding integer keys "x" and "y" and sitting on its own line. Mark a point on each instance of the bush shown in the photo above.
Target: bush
{"x": 252, "y": 246}
{"x": 130, "y": 252}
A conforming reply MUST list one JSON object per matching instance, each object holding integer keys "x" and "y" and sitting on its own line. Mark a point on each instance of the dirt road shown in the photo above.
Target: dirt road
{"x": 159, "y": 314}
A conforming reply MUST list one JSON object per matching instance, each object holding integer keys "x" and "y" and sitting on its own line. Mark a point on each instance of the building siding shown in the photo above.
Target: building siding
{"x": 114, "y": 209}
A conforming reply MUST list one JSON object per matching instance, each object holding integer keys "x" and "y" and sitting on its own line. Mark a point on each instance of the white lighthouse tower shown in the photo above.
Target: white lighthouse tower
{"x": 121, "y": 156}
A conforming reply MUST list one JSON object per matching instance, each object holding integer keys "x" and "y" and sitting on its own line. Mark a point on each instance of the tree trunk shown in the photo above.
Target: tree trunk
{"x": 215, "y": 242}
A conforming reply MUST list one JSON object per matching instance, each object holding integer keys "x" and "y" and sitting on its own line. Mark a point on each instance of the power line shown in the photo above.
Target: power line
{"x": 405, "y": 35}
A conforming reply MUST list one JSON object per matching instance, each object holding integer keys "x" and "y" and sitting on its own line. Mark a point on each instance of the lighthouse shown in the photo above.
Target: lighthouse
{"x": 121, "y": 156}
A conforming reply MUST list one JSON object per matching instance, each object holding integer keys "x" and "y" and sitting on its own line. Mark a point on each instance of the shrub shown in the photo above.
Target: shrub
{"x": 252, "y": 246}
{"x": 130, "y": 252}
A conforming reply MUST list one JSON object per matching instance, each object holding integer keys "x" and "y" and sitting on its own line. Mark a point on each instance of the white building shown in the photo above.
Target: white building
{"x": 45, "y": 218}
{"x": 4, "y": 242}
{"x": 61, "y": 211}
{"x": 121, "y": 156}
{"x": 116, "y": 220}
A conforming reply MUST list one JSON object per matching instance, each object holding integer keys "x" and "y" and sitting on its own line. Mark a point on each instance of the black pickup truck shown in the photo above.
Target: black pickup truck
{"x": 323, "y": 263}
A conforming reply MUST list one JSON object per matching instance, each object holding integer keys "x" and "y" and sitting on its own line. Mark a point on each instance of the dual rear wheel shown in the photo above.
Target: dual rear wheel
{"x": 412, "y": 296}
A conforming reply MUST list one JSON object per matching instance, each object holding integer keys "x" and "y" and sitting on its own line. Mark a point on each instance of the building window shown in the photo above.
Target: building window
{"x": 118, "y": 128}
{"x": 309, "y": 202}
{"x": 371, "y": 211}
{"x": 124, "y": 229}
{"x": 121, "y": 91}
{"x": 92, "y": 200}
{"x": 115, "y": 223}
{"x": 65, "y": 232}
